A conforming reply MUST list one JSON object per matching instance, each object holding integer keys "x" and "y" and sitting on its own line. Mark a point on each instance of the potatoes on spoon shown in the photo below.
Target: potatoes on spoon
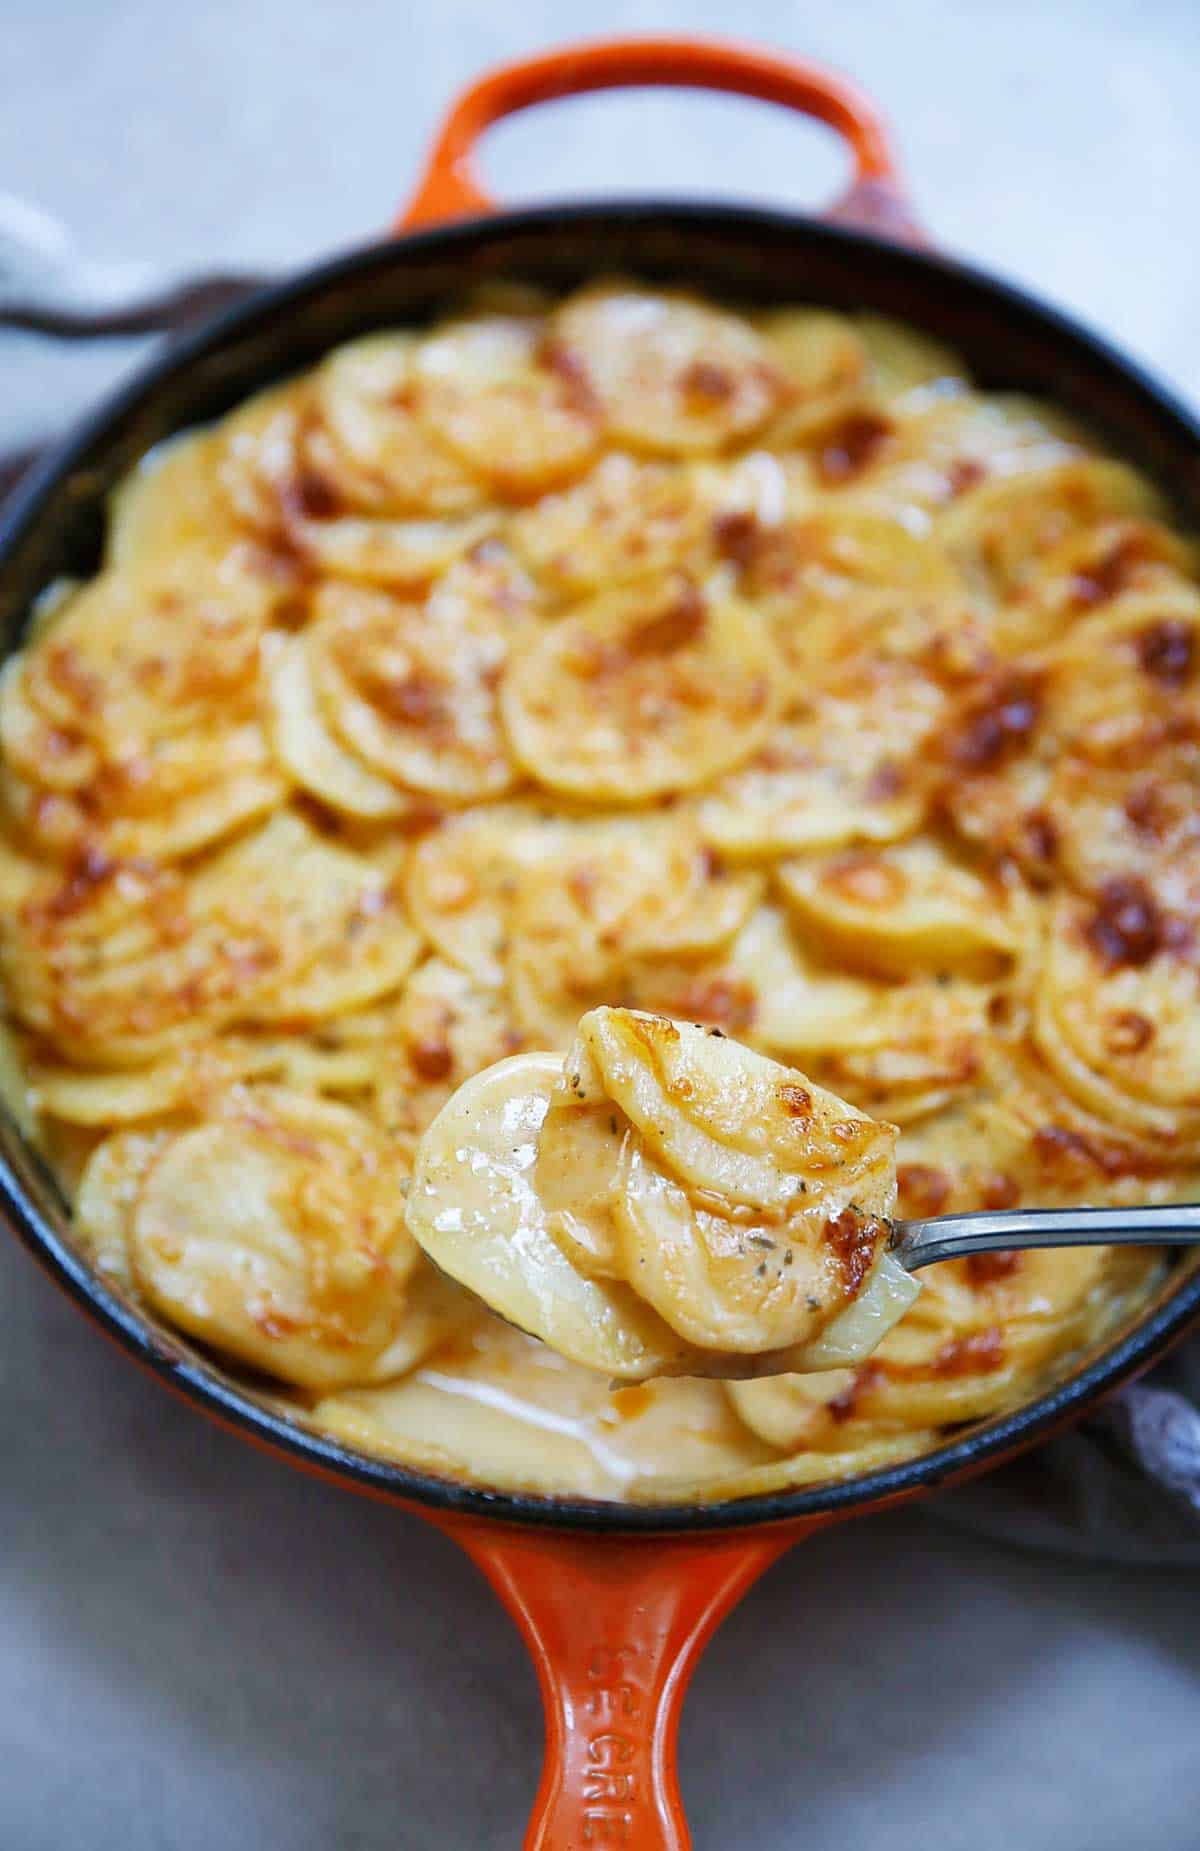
{"x": 665, "y": 1202}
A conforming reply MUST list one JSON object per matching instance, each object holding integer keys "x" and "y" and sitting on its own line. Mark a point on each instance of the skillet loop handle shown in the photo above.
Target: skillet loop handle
{"x": 874, "y": 202}
{"x": 615, "y": 1626}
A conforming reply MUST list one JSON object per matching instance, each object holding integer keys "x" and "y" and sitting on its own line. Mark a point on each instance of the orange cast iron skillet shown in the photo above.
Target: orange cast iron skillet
{"x": 614, "y": 1601}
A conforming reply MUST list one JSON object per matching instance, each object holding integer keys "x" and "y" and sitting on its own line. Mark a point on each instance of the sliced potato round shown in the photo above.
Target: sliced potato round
{"x": 625, "y": 519}
{"x": 652, "y": 689}
{"x": 131, "y": 662}
{"x": 1123, "y": 682}
{"x": 1116, "y": 1017}
{"x": 411, "y": 695}
{"x": 1114, "y": 820}
{"x": 300, "y": 1268}
{"x": 764, "y": 988}
{"x": 402, "y": 555}
{"x": 906, "y": 908}
{"x": 836, "y": 582}
{"x": 356, "y": 941}
{"x": 913, "y": 462}
{"x": 925, "y": 1048}
{"x": 188, "y": 1078}
{"x": 902, "y": 361}
{"x": 129, "y": 724}
{"x": 368, "y": 395}
{"x": 728, "y": 1285}
{"x": 474, "y": 1209}
{"x": 173, "y": 502}
{"x": 291, "y": 485}
{"x": 463, "y": 876}
{"x": 1002, "y": 531}
{"x": 615, "y": 898}
{"x": 896, "y": 1049}
{"x": 117, "y": 964}
{"x": 311, "y": 754}
{"x": 508, "y": 401}
{"x": 674, "y": 376}
{"x": 824, "y": 365}
{"x": 104, "y": 1202}
{"x": 971, "y": 1344}
{"x": 1094, "y": 568}
{"x": 734, "y": 1124}
{"x": 445, "y": 1027}
{"x": 81, "y": 827}
{"x": 845, "y": 769}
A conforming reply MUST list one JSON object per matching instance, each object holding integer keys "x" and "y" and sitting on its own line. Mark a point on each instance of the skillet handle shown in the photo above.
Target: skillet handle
{"x": 875, "y": 201}
{"x": 615, "y": 1626}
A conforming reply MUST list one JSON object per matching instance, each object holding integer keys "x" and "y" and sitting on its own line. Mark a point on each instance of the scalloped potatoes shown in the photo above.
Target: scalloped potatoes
{"x": 624, "y": 653}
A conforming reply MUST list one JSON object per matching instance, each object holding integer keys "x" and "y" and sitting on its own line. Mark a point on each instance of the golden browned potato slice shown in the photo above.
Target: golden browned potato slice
{"x": 898, "y": 1050}
{"x": 764, "y": 988}
{"x": 276, "y": 1234}
{"x": 410, "y": 695}
{"x": 290, "y": 485}
{"x": 446, "y": 1026}
{"x": 508, "y": 401}
{"x": 104, "y": 1201}
{"x": 1121, "y": 819}
{"x": 664, "y": 1202}
{"x": 367, "y": 393}
{"x": 1093, "y": 569}
{"x": 462, "y": 878}
{"x": 1125, "y": 681}
{"x": 902, "y": 361}
{"x": 311, "y": 753}
{"x": 912, "y": 461}
{"x": 904, "y": 909}
{"x": 835, "y": 583}
{"x": 187, "y": 1078}
{"x": 972, "y": 1343}
{"x": 1117, "y": 1009}
{"x": 400, "y": 555}
{"x": 1017, "y": 1137}
{"x": 592, "y": 921}
{"x": 843, "y": 770}
{"x": 647, "y": 690}
{"x": 627, "y": 518}
{"x": 823, "y": 362}
{"x": 173, "y": 503}
{"x": 102, "y": 823}
{"x": 1002, "y": 531}
{"x": 673, "y": 376}
{"x": 116, "y": 965}
{"x": 130, "y": 722}
{"x": 170, "y": 653}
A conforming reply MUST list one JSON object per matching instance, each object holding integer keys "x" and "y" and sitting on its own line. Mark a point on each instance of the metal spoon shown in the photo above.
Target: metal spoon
{"x": 955, "y": 1237}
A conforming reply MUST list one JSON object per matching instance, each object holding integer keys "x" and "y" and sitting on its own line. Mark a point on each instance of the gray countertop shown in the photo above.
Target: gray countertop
{"x": 199, "y": 1648}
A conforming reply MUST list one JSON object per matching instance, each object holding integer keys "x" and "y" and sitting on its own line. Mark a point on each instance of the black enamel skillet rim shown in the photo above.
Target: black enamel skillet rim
{"x": 54, "y": 526}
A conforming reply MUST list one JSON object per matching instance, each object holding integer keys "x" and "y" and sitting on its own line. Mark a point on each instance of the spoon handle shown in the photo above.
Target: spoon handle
{"x": 954, "y": 1237}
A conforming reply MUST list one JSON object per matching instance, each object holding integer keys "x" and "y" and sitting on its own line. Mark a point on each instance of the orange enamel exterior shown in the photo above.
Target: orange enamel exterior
{"x": 615, "y": 1625}
{"x": 875, "y": 200}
